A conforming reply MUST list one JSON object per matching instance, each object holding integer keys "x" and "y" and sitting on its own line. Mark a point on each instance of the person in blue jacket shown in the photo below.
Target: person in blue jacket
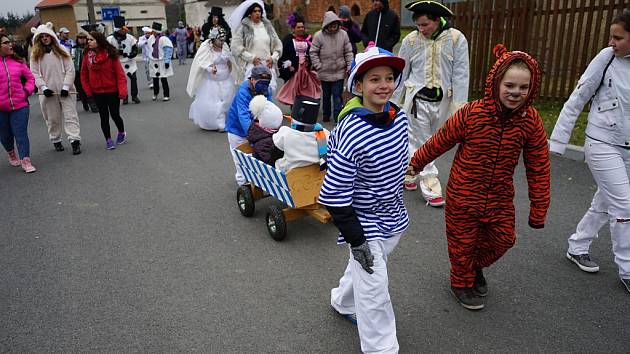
{"x": 239, "y": 117}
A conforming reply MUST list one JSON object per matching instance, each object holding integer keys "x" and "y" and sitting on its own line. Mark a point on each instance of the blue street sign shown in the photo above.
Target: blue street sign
{"x": 108, "y": 13}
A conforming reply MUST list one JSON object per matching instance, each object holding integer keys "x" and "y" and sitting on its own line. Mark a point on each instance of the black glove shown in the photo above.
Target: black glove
{"x": 120, "y": 52}
{"x": 48, "y": 92}
{"x": 167, "y": 65}
{"x": 64, "y": 93}
{"x": 363, "y": 255}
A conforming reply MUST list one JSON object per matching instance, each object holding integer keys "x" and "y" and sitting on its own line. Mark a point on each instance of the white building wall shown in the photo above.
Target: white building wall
{"x": 138, "y": 13}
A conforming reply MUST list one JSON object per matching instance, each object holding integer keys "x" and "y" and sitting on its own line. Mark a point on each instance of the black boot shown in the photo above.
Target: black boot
{"x": 76, "y": 147}
{"x": 58, "y": 146}
{"x": 86, "y": 107}
{"x": 135, "y": 99}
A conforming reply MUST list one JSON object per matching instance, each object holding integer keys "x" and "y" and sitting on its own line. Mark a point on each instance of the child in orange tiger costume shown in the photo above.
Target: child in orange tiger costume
{"x": 491, "y": 133}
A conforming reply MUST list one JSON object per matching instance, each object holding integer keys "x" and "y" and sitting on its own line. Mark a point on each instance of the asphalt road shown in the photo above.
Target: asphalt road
{"x": 143, "y": 249}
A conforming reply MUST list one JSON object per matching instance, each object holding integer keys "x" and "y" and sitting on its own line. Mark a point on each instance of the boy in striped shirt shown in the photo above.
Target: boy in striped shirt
{"x": 363, "y": 192}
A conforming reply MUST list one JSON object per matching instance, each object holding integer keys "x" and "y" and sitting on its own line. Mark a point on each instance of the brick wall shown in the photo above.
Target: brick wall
{"x": 314, "y": 11}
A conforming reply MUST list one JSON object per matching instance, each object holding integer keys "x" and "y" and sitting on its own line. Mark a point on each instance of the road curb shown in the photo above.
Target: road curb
{"x": 574, "y": 152}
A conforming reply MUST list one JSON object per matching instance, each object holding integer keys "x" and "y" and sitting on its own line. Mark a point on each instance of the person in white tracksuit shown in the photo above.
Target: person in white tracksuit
{"x": 607, "y": 148}
{"x": 435, "y": 84}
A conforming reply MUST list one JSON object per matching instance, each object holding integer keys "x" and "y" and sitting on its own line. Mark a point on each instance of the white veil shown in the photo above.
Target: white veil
{"x": 237, "y": 15}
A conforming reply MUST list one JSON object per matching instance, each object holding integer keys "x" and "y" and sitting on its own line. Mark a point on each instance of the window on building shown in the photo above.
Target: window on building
{"x": 143, "y": 11}
{"x": 98, "y": 12}
{"x": 123, "y": 12}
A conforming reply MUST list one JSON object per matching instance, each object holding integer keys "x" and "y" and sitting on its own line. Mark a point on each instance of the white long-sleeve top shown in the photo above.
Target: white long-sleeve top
{"x": 442, "y": 62}
{"x": 609, "y": 115}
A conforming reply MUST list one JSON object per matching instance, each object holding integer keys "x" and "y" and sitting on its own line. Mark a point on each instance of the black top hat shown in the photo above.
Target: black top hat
{"x": 429, "y": 7}
{"x": 119, "y": 22}
{"x": 157, "y": 26}
{"x": 305, "y": 109}
{"x": 89, "y": 27}
{"x": 216, "y": 11}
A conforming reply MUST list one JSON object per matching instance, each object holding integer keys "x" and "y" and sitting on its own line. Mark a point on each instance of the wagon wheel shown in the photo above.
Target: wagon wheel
{"x": 276, "y": 225}
{"x": 245, "y": 201}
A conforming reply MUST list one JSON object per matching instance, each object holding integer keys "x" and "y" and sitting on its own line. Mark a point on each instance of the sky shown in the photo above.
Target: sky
{"x": 17, "y": 6}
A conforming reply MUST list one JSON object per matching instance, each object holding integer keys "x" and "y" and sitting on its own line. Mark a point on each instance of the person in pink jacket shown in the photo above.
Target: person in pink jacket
{"x": 16, "y": 84}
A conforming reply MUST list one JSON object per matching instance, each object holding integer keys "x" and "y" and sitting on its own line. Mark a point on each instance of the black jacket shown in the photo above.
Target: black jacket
{"x": 389, "y": 31}
{"x": 288, "y": 53}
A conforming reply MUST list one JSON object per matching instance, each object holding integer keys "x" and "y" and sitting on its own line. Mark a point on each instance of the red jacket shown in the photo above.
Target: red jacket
{"x": 102, "y": 74}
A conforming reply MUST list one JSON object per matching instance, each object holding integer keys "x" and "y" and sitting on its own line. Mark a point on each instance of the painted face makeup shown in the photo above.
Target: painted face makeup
{"x": 514, "y": 87}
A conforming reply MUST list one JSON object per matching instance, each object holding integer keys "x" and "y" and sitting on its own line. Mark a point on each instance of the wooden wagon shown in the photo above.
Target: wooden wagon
{"x": 298, "y": 189}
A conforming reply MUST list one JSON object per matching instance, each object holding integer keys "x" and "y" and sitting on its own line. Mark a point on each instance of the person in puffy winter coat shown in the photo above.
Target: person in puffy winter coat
{"x": 103, "y": 78}
{"x": 267, "y": 120}
{"x": 16, "y": 84}
{"x": 331, "y": 56}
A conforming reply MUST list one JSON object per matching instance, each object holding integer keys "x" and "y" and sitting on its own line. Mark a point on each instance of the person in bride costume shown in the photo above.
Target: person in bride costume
{"x": 211, "y": 82}
{"x": 254, "y": 41}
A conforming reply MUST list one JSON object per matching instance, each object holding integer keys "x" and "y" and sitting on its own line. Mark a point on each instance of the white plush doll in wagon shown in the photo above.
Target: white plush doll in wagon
{"x": 305, "y": 142}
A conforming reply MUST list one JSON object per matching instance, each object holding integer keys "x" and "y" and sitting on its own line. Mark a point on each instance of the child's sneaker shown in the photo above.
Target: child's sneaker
{"x": 109, "y": 144}
{"x": 120, "y": 139}
{"x": 26, "y": 165}
{"x": 432, "y": 191}
{"x": 13, "y": 159}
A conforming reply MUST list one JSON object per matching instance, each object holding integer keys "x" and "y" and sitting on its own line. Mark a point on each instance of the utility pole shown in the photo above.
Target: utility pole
{"x": 91, "y": 14}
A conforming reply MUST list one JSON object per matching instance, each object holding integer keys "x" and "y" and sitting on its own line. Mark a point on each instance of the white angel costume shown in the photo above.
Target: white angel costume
{"x": 212, "y": 83}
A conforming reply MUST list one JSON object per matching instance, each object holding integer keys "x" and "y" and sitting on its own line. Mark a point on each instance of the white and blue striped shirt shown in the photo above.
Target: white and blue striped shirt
{"x": 366, "y": 170}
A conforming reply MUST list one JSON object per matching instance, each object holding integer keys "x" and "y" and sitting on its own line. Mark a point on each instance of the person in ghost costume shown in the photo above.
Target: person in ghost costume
{"x": 212, "y": 82}
{"x": 267, "y": 120}
{"x": 127, "y": 51}
{"x": 53, "y": 69}
{"x": 305, "y": 141}
{"x": 160, "y": 55}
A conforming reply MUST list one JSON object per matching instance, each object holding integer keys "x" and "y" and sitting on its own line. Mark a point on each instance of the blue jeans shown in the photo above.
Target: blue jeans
{"x": 14, "y": 130}
{"x": 334, "y": 88}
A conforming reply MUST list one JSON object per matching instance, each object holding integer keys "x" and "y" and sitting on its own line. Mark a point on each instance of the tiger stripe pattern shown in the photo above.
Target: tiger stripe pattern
{"x": 479, "y": 213}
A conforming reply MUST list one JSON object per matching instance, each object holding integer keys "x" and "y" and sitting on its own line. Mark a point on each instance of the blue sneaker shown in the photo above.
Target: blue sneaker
{"x": 348, "y": 316}
{"x": 120, "y": 139}
{"x": 109, "y": 144}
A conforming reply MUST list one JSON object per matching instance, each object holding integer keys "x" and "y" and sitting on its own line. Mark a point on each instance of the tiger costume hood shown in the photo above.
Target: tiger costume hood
{"x": 491, "y": 87}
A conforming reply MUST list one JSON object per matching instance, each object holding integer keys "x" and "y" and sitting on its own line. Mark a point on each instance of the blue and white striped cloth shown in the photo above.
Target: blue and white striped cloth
{"x": 366, "y": 169}
{"x": 265, "y": 177}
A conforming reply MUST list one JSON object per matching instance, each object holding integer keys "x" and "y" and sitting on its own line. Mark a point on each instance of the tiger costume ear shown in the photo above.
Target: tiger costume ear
{"x": 499, "y": 50}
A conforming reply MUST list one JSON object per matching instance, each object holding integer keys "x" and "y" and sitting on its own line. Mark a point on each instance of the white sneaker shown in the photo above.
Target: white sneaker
{"x": 432, "y": 191}
{"x": 165, "y": 99}
{"x": 154, "y": 98}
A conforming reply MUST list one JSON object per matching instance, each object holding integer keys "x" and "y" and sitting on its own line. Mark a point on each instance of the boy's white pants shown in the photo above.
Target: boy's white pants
{"x": 429, "y": 117}
{"x": 59, "y": 110}
{"x": 367, "y": 296}
{"x": 610, "y": 166}
{"x": 235, "y": 141}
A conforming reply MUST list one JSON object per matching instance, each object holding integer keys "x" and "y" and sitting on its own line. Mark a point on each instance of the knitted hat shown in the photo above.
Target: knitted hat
{"x": 371, "y": 58}
{"x": 344, "y": 12}
{"x": 268, "y": 114}
{"x": 146, "y": 29}
{"x": 44, "y": 28}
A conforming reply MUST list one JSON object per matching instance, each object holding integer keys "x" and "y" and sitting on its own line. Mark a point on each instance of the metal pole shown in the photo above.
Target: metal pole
{"x": 91, "y": 14}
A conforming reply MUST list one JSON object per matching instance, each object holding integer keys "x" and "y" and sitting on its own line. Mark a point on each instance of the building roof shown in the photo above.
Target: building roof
{"x": 54, "y": 3}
